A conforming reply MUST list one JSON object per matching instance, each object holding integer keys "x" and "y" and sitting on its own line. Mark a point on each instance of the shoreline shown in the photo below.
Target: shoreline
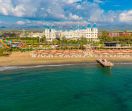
{"x": 119, "y": 61}
{"x": 31, "y": 66}
{"x": 25, "y": 59}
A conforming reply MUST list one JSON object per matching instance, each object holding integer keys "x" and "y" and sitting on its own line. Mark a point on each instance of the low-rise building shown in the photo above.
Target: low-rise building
{"x": 120, "y": 33}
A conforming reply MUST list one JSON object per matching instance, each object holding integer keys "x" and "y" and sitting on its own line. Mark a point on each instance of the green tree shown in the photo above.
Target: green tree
{"x": 55, "y": 42}
{"x": 82, "y": 42}
{"x": 43, "y": 39}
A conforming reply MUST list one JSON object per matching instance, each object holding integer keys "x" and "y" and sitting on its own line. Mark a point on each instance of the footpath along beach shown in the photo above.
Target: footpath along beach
{"x": 39, "y": 57}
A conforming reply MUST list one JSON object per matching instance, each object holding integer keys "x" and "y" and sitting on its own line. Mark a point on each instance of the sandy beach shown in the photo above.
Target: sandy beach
{"x": 30, "y": 58}
{"x": 25, "y": 58}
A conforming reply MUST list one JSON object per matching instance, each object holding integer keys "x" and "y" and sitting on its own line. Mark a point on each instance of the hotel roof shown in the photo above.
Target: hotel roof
{"x": 89, "y": 26}
{"x": 94, "y": 26}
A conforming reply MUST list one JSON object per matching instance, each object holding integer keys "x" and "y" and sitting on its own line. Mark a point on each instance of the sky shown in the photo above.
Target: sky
{"x": 29, "y": 13}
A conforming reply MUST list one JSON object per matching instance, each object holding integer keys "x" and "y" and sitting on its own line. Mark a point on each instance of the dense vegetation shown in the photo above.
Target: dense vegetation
{"x": 62, "y": 43}
{"x": 5, "y": 52}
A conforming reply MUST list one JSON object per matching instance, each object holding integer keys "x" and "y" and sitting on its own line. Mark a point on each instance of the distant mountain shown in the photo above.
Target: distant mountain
{"x": 68, "y": 27}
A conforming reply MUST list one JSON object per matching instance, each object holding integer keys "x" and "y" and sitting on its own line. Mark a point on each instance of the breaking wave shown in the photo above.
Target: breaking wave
{"x": 29, "y": 67}
{"x": 6, "y": 68}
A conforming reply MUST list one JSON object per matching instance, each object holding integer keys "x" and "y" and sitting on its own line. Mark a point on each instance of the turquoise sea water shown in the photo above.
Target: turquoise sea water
{"x": 84, "y": 87}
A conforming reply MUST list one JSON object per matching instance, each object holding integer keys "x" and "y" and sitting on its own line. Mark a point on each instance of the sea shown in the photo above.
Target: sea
{"x": 67, "y": 87}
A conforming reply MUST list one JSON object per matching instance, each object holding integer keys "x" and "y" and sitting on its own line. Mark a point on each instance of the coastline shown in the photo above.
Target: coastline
{"x": 9, "y": 61}
{"x": 25, "y": 59}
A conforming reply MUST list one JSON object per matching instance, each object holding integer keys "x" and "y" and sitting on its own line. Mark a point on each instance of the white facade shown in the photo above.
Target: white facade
{"x": 37, "y": 34}
{"x": 51, "y": 34}
{"x": 89, "y": 33}
{"x": 70, "y": 34}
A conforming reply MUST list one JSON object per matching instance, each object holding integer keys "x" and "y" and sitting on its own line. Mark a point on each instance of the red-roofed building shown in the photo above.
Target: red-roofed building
{"x": 120, "y": 34}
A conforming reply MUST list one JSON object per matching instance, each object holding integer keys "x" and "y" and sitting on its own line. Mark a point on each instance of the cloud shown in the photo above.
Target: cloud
{"x": 20, "y": 23}
{"x": 63, "y": 10}
{"x": 1, "y": 22}
{"x": 71, "y": 1}
{"x": 74, "y": 17}
{"x": 126, "y": 16}
{"x": 22, "y": 10}
{"x": 99, "y": 1}
{"x": 101, "y": 16}
{"x": 6, "y": 7}
{"x": 92, "y": 12}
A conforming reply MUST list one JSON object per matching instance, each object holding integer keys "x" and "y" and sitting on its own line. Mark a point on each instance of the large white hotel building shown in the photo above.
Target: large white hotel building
{"x": 90, "y": 32}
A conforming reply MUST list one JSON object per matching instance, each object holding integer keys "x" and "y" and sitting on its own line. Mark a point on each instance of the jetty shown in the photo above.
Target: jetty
{"x": 105, "y": 63}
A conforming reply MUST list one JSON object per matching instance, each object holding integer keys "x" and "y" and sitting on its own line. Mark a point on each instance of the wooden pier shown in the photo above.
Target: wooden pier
{"x": 105, "y": 63}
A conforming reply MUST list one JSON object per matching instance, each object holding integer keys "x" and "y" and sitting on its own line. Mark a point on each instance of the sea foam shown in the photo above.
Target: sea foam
{"x": 28, "y": 67}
